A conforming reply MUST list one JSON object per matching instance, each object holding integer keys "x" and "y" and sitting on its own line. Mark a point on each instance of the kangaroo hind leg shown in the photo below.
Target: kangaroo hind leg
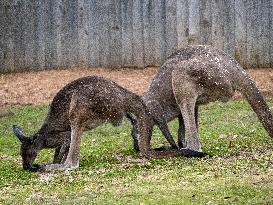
{"x": 186, "y": 94}
{"x": 73, "y": 156}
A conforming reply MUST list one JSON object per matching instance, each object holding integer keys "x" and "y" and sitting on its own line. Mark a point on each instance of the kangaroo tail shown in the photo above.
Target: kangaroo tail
{"x": 249, "y": 89}
{"x": 155, "y": 154}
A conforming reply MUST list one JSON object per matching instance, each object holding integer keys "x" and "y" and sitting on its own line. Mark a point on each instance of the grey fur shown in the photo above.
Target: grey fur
{"x": 193, "y": 76}
{"x": 85, "y": 104}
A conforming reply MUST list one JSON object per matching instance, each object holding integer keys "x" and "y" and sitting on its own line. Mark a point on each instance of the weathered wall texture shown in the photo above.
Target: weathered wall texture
{"x": 40, "y": 34}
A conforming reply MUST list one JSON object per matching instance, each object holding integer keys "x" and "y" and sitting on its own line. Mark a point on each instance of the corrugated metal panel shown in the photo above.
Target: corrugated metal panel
{"x": 37, "y": 34}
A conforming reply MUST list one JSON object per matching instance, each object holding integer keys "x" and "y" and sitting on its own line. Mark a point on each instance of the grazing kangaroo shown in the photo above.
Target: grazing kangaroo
{"x": 85, "y": 104}
{"x": 193, "y": 76}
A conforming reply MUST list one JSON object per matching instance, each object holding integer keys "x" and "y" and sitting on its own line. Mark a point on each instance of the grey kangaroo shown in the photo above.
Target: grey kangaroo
{"x": 193, "y": 76}
{"x": 85, "y": 104}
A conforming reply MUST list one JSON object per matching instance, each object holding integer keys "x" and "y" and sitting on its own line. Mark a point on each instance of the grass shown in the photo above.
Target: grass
{"x": 111, "y": 172}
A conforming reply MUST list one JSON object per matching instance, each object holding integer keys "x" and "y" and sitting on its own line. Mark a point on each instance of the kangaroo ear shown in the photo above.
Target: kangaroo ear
{"x": 131, "y": 118}
{"x": 19, "y": 133}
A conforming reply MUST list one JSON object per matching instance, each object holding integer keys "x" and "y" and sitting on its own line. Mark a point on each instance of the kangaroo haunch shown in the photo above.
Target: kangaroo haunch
{"x": 85, "y": 104}
{"x": 193, "y": 76}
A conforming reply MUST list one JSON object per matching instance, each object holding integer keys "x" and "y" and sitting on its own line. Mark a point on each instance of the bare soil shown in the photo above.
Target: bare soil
{"x": 34, "y": 88}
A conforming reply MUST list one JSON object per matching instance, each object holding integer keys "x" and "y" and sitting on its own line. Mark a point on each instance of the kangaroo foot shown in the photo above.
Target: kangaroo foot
{"x": 53, "y": 167}
{"x": 192, "y": 153}
{"x": 194, "y": 144}
{"x": 70, "y": 166}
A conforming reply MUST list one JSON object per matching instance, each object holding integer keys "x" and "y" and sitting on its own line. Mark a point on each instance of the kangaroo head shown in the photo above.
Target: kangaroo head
{"x": 29, "y": 149}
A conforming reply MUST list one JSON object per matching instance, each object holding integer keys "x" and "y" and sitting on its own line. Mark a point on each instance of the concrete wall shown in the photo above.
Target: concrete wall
{"x": 41, "y": 34}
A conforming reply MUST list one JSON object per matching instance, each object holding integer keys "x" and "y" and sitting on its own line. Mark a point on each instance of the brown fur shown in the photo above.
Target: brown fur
{"x": 193, "y": 76}
{"x": 85, "y": 104}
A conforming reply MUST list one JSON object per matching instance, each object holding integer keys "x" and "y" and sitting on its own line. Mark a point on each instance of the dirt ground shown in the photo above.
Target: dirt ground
{"x": 40, "y": 87}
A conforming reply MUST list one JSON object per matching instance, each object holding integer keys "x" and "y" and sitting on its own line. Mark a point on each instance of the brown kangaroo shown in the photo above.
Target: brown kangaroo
{"x": 85, "y": 104}
{"x": 193, "y": 76}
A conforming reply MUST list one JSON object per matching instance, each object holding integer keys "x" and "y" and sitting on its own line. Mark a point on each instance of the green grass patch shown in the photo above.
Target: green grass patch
{"x": 240, "y": 170}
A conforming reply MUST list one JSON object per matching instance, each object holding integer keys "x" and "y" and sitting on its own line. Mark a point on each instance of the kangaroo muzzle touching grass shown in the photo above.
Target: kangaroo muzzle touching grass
{"x": 193, "y": 76}
{"x": 81, "y": 105}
